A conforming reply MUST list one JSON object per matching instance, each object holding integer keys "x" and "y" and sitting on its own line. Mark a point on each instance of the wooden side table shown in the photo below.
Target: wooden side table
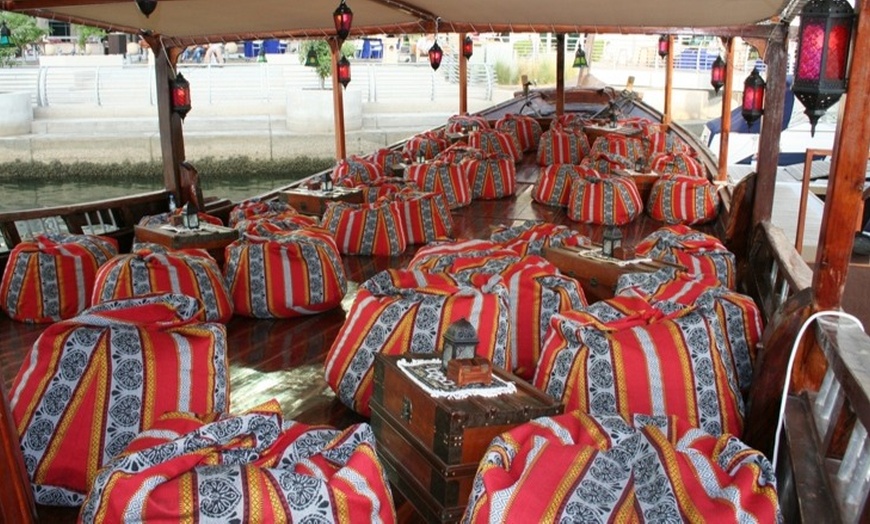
{"x": 314, "y": 201}
{"x": 209, "y": 237}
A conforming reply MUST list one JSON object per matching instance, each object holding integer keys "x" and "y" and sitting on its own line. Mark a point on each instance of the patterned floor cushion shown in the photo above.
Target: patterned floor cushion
{"x": 619, "y": 148}
{"x": 612, "y": 200}
{"x": 531, "y": 237}
{"x": 442, "y": 177}
{"x": 554, "y": 183}
{"x": 385, "y": 187}
{"x": 493, "y": 142}
{"x": 398, "y": 311}
{"x": 279, "y": 223}
{"x": 385, "y": 158}
{"x": 663, "y": 142}
{"x": 258, "y": 208}
{"x": 569, "y": 120}
{"x": 366, "y": 229}
{"x": 425, "y": 217}
{"x": 427, "y": 145}
{"x": 285, "y": 275}
{"x": 251, "y": 467}
{"x": 525, "y": 129}
{"x": 680, "y": 199}
{"x": 642, "y": 364}
{"x": 92, "y": 383}
{"x": 151, "y": 270}
{"x": 174, "y": 217}
{"x": 354, "y": 171}
{"x": 677, "y": 164}
{"x": 465, "y": 123}
{"x": 51, "y": 277}
{"x": 562, "y": 146}
{"x": 459, "y": 153}
{"x": 491, "y": 178}
{"x": 697, "y": 252}
{"x": 582, "y": 468}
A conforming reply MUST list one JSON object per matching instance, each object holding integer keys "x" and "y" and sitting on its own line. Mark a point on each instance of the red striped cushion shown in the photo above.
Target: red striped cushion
{"x": 279, "y": 223}
{"x": 355, "y": 171}
{"x": 458, "y": 153}
{"x": 252, "y": 467}
{"x": 425, "y": 217}
{"x": 569, "y": 120}
{"x": 494, "y": 177}
{"x": 465, "y": 123}
{"x": 530, "y": 238}
{"x": 493, "y": 142}
{"x": 256, "y": 207}
{"x": 562, "y": 147}
{"x": 663, "y": 142}
{"x": 385, "y": 187}
{"x": 399, "y": 310}
{"x": 91, "y": 383}
{"x": 678, "y": 199}
{"x": 175, "y": 217}
{"x": 51, "y": 277}
{"x": 553, "y": 186}
{"x": 613, "y": 200}
{"x": 429, "y": 144}
{"x": 677, "y": 164}
{"x": 366, "y": 229}
{"x": 698, "y": 253}
{"x": 285, "y": 275}
{"x": 578, "y": 467}
{"x": 441, "y": 177}
{"x": 525, "y": 129}
{"x": 440, "y": 256}
{"x": 151, "y": 270}
{"x": 385, "y": 158}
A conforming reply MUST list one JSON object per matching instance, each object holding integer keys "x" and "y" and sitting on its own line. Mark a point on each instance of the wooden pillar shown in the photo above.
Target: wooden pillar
{"x": 337, "y": 101}
{"x": 560, "y": 74}
{"x": 169, "y": 122}
{"x": 776, "y": 58}
{"x": 669, "y": 81}
{"x": 463, "y": 77}
{"x": 16, "y": 496}
{"x": 727, "y": 95}
{"x": 848, "y": 165}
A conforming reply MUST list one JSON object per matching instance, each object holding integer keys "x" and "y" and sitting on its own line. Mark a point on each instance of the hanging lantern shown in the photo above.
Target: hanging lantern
{"x": 664, "y": 46}
{"x": 311, "y": 58}
{"x": 344, "y": 71}
{"x": 580, "y": 57}
{"x": 753, "y": 97}
{"x": 823, "y": 53}
{"x": 146, "y": 7}
{"x": 343, "y": 17}
{"x": 5, "y": 36}
{"x": 180, "y": 95}
{"x": 435, "y": 56}
{"x": 467, "y": 47}
{"x": 717, "y": 74}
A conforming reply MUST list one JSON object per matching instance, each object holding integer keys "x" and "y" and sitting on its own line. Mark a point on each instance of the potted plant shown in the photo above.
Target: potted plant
{"x": 323, "y": 62}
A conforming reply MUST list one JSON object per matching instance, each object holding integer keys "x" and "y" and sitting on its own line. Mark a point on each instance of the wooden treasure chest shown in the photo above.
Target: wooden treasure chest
{"x": 429, "y": 443}
{"x": 314, "y": 201}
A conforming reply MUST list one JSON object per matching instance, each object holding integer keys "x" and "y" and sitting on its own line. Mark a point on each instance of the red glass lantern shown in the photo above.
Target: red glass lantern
{"x": 146, "y": 7}
{"x": 344, "y": 71}
{"x": 343, "y": 18}
{"x": 180, "y": 95}
{"x": 664, "y": 46}
{"x": 753, "y": 97}
{"x": 435, "y": 56}
{"x": 824, "y": 39}
{"x": 467, "y": 47}
{"x": 717, "y": 74}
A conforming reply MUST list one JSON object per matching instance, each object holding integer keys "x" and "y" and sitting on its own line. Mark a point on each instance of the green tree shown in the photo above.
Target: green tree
{"x": 23, "y": 31}
{"x": 87, "y": 34}
{"x": 324, "y": 56}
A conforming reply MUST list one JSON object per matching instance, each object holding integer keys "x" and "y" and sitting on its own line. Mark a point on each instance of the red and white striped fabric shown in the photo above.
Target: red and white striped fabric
{"x": 429, "y": 144}
{"x": 425, "y": 217}
{"x": 525, "y": 129}
{"x": 175, "y": 216}
{"x": 280, "y": 223}
{"x": 612, "y": 201}
{"x": 285, "y": 275}
{"x": 150, "y": 269}
{"x": 459, "y": 153}
{"x": 698, "y": 253}
{"x": 530, "y": 238}
{"x": 356, "y": 171}
{"x": 677, "y": 164}
{"x": 663, "y": 142}
{"x": 252, "y": 467}
{"x": 440, "y": 257}
{"x": 679, "y": 199}
{"x": 578, "y": 467}
{"x": 465, "y": 123}
{"x": 366, "y": 229}
{"x": 399, "y": 310}
{"x": 51, "y": 277}
{"x": 442, "y": 177}
{"x": 554, "y": 183}
{"x": 569, "y": 120}
{"x": 493, "y": 142}
{"x": 491, "y": 178}
{"x": 385, "y": 158}
{"x": 92, "y": 383}
{"x": 257, "y": 208}
{"x": 562, "y": 147}
{"x": 385, "y": 187}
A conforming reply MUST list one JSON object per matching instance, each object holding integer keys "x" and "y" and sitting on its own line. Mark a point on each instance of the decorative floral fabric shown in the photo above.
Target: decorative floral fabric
{"x": 442, "y": 177}
{"x": 698, "y": 253}
{"x": 578, "y": 467}
{"x": 425, "y": 217}
{"x": 493, "y": 142}
{"x": 246, "y": 468}
{"x": 398, "y": 311}
{"x": 285, "y": 275}
{"x": 258, "y": 208}
{"x": 279, "y": 223}
{"x": 355, "y": 171}
{"x": 554, "y": 184}
{"x": 459, "y": 153}
{"x": 612, "y": 200}
{"x": 525, "y": 129}
{"x": 569, "y": 120}
{"x": 50, "y": 278}
{"x": 385, "y": 187}
{"x": 465, "y": 123}
{"x": 677, "y": 164}
{"x": 385, "y": 158}
{"x": 663, "y": 142}
{"x": 429, "y": 144}
{"x": 153, "y": 270}
{"x": 606, "y": 362}
{"x": 366, "y": 229}
{"x": 491, "y": 178}
{"x": 92, "y": 383}
{"x": 677, "y": 199}
{"x": 530, "y": 238}
{"x": 619, "y": 149}
{"x": 562, "y": 146}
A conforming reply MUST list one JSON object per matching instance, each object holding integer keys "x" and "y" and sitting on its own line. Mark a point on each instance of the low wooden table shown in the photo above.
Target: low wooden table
{"x": 431, "y": 447}
{"x": 314, "y": 201}
{"x": 209, "y": 237}
{"x": 597, "y": 276}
